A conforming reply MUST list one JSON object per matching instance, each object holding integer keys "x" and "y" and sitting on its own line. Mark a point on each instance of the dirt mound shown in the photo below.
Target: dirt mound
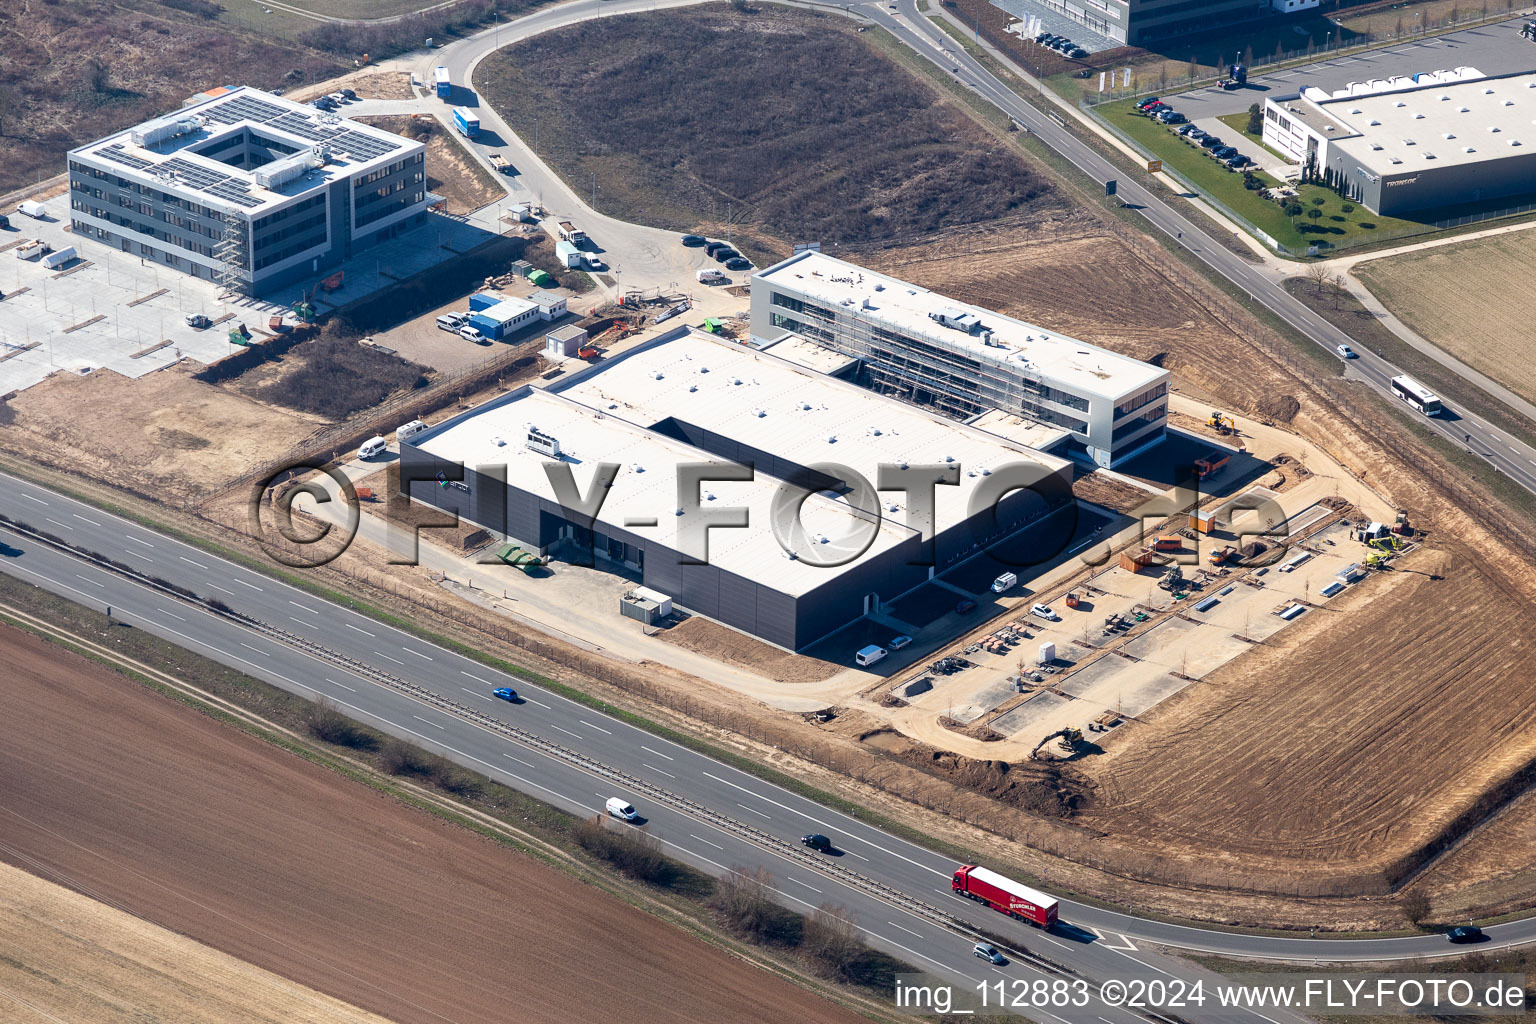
{"x": 1047, "y": 790}
{"x": 1278, "y": 408}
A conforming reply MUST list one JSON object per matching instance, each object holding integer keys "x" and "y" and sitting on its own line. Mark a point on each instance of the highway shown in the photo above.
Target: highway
{"x": 339, "y": 653}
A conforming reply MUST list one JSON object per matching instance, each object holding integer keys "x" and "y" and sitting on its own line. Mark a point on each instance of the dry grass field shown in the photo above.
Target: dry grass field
{"x": 68, "y": 957}
{"x": 786, "y": 121}
{"x": 178, "y": 819}
{"x": 1473, "y": 299}
{"x": 1342, "y": 746}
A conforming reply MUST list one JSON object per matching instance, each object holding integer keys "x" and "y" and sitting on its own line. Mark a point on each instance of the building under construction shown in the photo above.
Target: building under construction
{"x": 966, "y": 362}
{"x": 248, "y": 189}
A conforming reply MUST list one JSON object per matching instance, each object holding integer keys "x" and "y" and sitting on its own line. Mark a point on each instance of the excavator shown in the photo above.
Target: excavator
{"x": 1069, "y": 737}
{"x": 1223, "y": 424}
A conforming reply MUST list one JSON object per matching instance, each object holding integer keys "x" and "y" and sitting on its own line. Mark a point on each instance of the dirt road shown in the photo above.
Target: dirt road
{"x": 135, "y": 799}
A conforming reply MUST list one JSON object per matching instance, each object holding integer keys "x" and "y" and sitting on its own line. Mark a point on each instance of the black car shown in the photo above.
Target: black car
{"x": 349, "y": 94}
{"x": 817, "y": 841}
{"x": 965, "y": 606}
{"x": 738, "y": 263}
{"x": 694, "y": 241}
{"x": 1210, "y": 142}
{"x": 721, "y": 255}
{"x": 1466, "y": 933}
{"x": 1223, "y": 152}
{"x": 1078, "y": 53}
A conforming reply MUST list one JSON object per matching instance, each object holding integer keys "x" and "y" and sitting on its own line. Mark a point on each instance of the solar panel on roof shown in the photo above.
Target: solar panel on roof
{"x": 364, "y": 147}
{"x": 242, "y": 108}
{"x": 197, "y": 176}
{"x": 117, "y": 154}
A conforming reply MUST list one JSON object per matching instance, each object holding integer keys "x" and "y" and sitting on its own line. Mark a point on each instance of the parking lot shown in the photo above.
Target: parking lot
{"x": 1493, "y": 49}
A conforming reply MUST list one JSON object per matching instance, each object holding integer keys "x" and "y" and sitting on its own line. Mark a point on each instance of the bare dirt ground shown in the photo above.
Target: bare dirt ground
{"x": 164, "y": 434}
{"x": 1442, "y": 293}
{"x": 237, "y": 844}
{"x": 451, "y": 173}
{"x": 732, "y": 647}
{"x": 71, "y": 958}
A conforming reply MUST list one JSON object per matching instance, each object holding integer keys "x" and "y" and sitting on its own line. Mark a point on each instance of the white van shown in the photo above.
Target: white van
{"x": 869, "y": 655}
{"x": 621, "y": 808}
{"x": 406, "y": 431}
{"x": 451, "y": 322}
{"x": 712, "y": 277}
{"x": 34, "y": 210}
{"x": 55, "y": 260}
{"x": 1044, "y": 611}
{"x": 373, "y": 447}
{"x": 471, "y": 334}
{"x": 1007, "y": 581}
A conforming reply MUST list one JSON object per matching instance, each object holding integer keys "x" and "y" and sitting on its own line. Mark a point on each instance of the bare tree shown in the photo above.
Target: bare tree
{"x": 1415, "y": 906}
{"x": 832, "y": 942}
{"x": 1317, "y": 273}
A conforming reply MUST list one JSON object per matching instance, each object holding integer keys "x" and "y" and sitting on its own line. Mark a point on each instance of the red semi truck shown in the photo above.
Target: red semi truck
{"x": 1005, "y": 896}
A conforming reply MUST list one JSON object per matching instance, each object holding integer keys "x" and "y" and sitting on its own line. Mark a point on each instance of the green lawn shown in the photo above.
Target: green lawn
{"x": 1334, "y": 226}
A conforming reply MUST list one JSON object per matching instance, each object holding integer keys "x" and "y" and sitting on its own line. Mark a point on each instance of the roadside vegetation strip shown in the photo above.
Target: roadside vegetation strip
{"x": 674, "y": 891}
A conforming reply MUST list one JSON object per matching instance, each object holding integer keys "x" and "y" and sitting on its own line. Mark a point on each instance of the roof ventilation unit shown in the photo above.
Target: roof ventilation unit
{"x": 158, "y": 131}
{"x": 280, "y": 172}
{"x": 544, "y": 444}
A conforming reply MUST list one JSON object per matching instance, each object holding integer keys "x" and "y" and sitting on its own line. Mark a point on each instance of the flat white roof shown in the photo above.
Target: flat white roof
{"x": 1086, "y": 369}
{"x": 172, "y": 163}
{"x": 508, "y": 309}
{"x": 794, "y": 413}
{"x": 1018, "y": 429}
{"x": 1438, "y": 124}
{"x": 809, "y": 354}
{"x": 646, "y": 486}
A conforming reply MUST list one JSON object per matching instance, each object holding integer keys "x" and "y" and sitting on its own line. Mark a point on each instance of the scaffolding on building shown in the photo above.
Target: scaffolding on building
{"x": 233, "y": 254}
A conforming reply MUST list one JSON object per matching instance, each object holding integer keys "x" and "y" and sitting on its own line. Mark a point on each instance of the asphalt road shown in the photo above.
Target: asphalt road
{"x": 1101, "y": 944}
{"x": 1502, "y": 451}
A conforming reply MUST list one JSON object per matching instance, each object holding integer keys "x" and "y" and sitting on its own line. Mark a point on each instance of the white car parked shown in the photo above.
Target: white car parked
{"x": 621, "y": 809}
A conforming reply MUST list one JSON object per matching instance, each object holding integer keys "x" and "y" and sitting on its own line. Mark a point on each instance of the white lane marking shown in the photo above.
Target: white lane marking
{"x": 566, "y": 731}
{"x": 90, "y": 581}
{"x": 658, "y": 753}
{"x": 909, "y": 931}
{"x": 908, "y": 949}
{"x": 215, "y": 586}
{"x": 657, "y": 770}
{"x": 344, "y": 686}
{"x": 706, "y": 842}
{"x": 84, "y": 520}
{"x": 432, "y": 724}
{"x": 29, "y": 497}
{"x": 754, "y": 810}
{"x": 808, "y": 885}
{"x": 129, "y": 536}
{"x": 388, "y": 658}
{"x": 302, "y": 622}
{"x": 882, "y": 849}
{"x": 55, "y": 522}
{"x": 1048, "y": 1013}
{"x": 476, "y": 678}
{"x": 476, "y": 693}
{"x": 189, "y": 561}
{"x": 540, "y": 703}
{"x": 589, "y": 725}
{"x": 258, "y": 650}
{"x": 407, "y": 650}
{"x": 1256, "y": 1013}
{"x": 245, "y": 584}
{"x": 302, "y": 607}
{"x": 521, "y": 761}
{"x": 358, "y": 628}
{"x": 858, "y": 855}
{"x": 173, "y": 615}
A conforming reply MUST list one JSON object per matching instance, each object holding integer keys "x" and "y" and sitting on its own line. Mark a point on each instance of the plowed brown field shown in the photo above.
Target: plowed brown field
{"x": 134, "y": 799}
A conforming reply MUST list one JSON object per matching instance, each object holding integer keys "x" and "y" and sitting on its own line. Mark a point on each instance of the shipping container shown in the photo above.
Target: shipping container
{"x": 444, "y": 85}
{"x": 1005, "y": 896}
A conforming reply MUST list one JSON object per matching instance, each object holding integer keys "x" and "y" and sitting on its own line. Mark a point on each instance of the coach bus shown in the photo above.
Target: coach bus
{"x": 1417, "y": 395}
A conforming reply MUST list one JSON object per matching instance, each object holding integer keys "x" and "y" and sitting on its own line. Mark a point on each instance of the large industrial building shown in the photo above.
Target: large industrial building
{"x": 965, "y": 362}
{"x": 1410, "y": 144}
{"x": 248, "y": 189}
{"x": 897, "y": 494}
{"x": 1140, "y": 22}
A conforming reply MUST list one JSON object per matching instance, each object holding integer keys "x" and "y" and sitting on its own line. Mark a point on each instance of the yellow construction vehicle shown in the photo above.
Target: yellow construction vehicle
{"x": 1223, "y": 424}
{"x": 1069, "y": 737}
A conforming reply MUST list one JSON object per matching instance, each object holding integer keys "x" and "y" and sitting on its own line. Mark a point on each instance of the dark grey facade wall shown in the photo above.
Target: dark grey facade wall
{"x": 1430, "y": 187}
{"x": 1164, "y": 19}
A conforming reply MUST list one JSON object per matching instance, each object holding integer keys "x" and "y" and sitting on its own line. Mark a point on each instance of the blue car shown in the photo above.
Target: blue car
{"x": 506, "y": 693}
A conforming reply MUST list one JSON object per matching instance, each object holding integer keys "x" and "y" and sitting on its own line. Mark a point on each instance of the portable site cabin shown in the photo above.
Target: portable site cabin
{"x": 551, "y": 306}
{"x": 568, "y": 254}
{"x": 505, "y": 318}
{"x": 565, "y": 342}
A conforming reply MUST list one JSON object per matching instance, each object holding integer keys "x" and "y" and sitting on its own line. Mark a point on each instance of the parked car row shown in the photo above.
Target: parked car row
{"x": 1218, "y": 150}
{"x": 334, "y": 100}
{"x": 1061, "y": 44}
{"x": 721, "y": 251}
{"x": 1160, "y": 112}
{"x": 458, "y": 323}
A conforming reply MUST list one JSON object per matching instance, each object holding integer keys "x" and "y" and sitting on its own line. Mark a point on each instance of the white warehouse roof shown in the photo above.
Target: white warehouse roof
{"x": 1086, "y": 369}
